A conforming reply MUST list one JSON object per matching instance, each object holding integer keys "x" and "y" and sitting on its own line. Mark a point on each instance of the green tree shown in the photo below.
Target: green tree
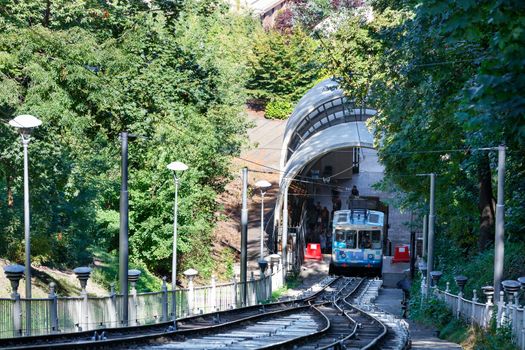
{"x": 89, "y": 70}
{"x": 442, "y": 78}
{"x": 283, "y": 65}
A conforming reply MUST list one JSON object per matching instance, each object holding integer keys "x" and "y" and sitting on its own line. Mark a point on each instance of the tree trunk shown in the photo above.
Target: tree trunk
{"x": 47, "y": 14}
{"x": 486, "y": 203}
{"x": 10, "y": 200}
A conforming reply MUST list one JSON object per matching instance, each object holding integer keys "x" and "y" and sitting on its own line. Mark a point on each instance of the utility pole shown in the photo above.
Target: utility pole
{"x": 425, "y": 233}
{"x": 413, "y": 249}
{"x": 124, "y": 225}
{"x": 285, "y": 231}
{"x": 431, "y": 222}
{"x": 499, "y": 243}
{"x": 244, "y": 233}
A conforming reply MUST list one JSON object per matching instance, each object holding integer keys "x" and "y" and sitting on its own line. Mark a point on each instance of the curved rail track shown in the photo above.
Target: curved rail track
{"x": 324, "y": 319}
{"x": 349, "y": 327}
{"x": 95, "y": 339}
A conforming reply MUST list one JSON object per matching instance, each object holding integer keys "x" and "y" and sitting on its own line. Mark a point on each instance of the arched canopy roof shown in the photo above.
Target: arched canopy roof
{"x": 337, "y": 137}
{"x": 323, "y": 121}
{"x": 322, "y": 107}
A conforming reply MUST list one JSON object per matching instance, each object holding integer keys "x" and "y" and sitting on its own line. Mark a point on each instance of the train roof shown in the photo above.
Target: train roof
{"x": 359, "y": 217}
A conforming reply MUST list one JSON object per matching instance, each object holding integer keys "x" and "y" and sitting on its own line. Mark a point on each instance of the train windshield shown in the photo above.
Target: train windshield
{"x": 370, "y": 239}
{"x": 345, "y": 238}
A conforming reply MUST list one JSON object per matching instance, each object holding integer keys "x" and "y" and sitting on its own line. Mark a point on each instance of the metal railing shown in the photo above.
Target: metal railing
{"x": 71, "y": 314}
{"x": 508, "y": 313}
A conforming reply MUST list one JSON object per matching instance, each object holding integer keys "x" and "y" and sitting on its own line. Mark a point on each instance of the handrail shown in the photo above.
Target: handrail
{"x": 104, "y": 311}
{"x": 510, "y": 313}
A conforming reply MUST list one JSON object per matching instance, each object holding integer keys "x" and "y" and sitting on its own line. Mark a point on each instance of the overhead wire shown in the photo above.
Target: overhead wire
{"x": 336, "y": 151}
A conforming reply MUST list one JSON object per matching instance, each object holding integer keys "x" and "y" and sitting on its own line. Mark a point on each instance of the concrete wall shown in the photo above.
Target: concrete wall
{"x": 339, "y": 161}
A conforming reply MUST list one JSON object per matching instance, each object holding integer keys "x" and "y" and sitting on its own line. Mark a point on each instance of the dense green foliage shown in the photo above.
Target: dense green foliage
{"x": 283, "y": 67}
{"x": 447, "y": 79}
{"x": 288, "y": 59}
{"x": 278, "y": 109}
{"x": 173, "y": 72}
{"x": 309, "y": 13}
{"x": 445, "y": 83}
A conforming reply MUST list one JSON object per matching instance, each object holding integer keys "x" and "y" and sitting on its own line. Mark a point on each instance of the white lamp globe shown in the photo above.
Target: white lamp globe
{"x": 263, "y": 184}
{"x": 177, "y": 166}
{"x": 25, "y": 121}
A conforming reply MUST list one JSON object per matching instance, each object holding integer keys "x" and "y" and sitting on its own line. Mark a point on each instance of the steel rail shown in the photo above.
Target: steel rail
{"x": 63, "y": 340}
{"x": 304, "y": 340}
{"x": 374, "y": 341}
{"x": 144, "y": 338}
{"x": 341, "y": 309}
{"x": 344, "y": 307}
{"x": 290, "y": 342}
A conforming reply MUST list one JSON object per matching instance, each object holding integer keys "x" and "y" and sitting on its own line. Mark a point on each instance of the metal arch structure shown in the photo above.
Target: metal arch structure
{"x": 322, "y": 107}
{"x": 323, "y": 121}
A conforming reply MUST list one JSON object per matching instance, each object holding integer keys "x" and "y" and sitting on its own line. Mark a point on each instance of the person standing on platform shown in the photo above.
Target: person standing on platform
{"x": 325, "y": 218}
{"x": 355, "y": 191}
{"x": 353, "y": 194}
{"x": 336, "y": 205}
{"x": 322, "y": 238}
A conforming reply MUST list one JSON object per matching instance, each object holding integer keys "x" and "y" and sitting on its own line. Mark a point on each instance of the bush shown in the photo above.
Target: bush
{"x": 278, "y": 109}
{"x": 494, "y": 339}
{"x": 283, "y": 64}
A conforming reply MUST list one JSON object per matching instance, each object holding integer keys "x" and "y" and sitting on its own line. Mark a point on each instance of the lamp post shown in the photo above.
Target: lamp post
{"x": 262, "y": 185}
{"x": 175, "y": 167}
{"x": 25, "y": 124}
{"x": 244, "y": 233}
{"x": 499, "y": 239}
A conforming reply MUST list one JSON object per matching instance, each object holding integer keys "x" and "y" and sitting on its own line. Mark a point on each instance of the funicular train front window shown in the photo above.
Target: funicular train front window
{"x": 370, "y": 239}
{"x": 346, "y": 238}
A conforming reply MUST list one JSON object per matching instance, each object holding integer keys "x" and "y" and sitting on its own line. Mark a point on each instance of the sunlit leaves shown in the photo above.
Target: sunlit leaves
{"x": 445, "y": 75}
{"x": 93, "y": 69}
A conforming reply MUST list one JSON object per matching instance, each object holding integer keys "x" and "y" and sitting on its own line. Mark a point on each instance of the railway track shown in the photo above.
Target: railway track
{"x": 95, "y": 339}
{"x": 329, "y": 322}
{"x": 326, "y": 318}
{"x": 350, "y": 327}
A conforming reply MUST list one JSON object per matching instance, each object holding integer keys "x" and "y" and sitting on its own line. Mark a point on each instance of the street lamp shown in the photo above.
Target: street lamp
{"x": 262, "y": 185}
{"x": 25, "y": 124}
{"x": 175, "y": 167}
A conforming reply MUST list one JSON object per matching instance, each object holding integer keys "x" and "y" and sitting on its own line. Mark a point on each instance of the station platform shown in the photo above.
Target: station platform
{"x": 393, "y": 272}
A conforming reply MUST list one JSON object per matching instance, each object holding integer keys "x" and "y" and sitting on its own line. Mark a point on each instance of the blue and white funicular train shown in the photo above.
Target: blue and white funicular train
{"x": 358, "y": 240}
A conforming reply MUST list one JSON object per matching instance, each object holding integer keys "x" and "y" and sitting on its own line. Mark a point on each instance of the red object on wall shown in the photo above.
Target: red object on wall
{"x": 401, "y": 254}
{"x": 313, "y": 251}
